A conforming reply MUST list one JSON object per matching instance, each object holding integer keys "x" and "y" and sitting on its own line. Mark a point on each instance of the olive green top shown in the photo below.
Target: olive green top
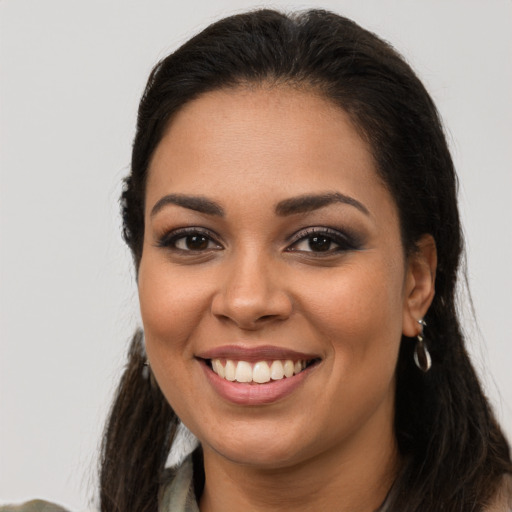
{"x": 33, "y": 506}
{"x": 179, "y": 496}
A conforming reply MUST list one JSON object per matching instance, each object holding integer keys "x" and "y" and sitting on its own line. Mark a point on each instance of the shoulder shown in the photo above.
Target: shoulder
{"x": 33, "y": 506}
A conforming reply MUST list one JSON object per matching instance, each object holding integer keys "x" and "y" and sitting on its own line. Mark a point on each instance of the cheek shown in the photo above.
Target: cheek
{"x": 171, "y": 302}
{"x": 359, "y": 310}
{"x": 171, "y": 305}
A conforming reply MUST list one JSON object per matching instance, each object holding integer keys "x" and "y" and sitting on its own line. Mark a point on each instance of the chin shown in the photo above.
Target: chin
{"x": 274, "y": 449}
{"x": 259, "y": 458}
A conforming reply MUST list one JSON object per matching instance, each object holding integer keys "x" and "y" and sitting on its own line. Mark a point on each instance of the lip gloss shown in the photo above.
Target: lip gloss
{"x": 253, "y": 394}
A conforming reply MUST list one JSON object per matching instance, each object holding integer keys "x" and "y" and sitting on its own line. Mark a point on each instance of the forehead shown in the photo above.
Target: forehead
{"x": 243, "y": 140}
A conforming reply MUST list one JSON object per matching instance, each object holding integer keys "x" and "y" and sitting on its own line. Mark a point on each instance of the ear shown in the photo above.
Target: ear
{"x": 419, "y": 284}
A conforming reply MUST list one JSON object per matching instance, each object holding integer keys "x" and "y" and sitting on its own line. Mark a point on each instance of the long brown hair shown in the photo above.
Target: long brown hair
{"x": 445, "y": 429}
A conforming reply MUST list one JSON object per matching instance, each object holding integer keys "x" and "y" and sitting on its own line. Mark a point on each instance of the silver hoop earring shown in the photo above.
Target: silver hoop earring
{"x": 147, "y": 374}
{"x": 421, "y": 354}
{"x": 145, "y": 370}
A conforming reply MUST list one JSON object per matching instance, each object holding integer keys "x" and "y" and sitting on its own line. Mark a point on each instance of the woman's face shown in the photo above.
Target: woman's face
{"x": 272, "y": 256}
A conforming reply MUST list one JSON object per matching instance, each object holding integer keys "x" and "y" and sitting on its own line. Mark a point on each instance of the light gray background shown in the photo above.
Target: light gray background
{"x": 71, "y": 73}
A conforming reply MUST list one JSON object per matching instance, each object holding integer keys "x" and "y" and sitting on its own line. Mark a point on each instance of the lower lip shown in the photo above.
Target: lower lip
{"x": 255, "y": 394}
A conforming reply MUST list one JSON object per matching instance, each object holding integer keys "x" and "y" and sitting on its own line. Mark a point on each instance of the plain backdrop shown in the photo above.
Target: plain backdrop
{"x": 71, "y": 74}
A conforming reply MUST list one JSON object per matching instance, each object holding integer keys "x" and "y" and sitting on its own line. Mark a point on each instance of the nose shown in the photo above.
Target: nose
{"x": 251, "y": 294}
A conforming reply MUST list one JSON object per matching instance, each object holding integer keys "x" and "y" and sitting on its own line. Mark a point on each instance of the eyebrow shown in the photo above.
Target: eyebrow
{"x": 310, "y": 202}
{"x": 197, "y": 203}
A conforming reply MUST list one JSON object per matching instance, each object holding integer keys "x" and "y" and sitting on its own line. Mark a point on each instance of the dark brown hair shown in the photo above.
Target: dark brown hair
{"x": 454, "y": 450}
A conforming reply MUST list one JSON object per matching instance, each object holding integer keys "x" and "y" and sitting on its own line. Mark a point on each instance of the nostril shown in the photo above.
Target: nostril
{"x": 267, "y": 317}
{"x": 251, "y": 304}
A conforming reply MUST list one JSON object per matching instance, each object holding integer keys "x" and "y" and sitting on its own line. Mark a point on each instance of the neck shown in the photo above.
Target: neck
{"x": 355, "y": 477}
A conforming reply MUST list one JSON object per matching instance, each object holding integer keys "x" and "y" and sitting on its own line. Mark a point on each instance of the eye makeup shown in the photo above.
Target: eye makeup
{"x": 323, "y": 240}
{"x": 190, "y": 239}
{"x": 315, "y": 241}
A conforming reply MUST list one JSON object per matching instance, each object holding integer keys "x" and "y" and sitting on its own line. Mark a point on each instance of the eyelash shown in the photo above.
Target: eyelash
{"x": 343, "y": 241}
{"x": 169, "y": 240}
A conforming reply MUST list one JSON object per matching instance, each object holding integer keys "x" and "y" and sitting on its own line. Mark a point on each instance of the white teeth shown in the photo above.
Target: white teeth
{"x": 218, "y": 368}
{"x": 288, "y": 368}
{"x": 230, "y": 370}
{"x": 243, "y": 372}
{"x": 261, "y": 372}
{"x": 277, "y": 370}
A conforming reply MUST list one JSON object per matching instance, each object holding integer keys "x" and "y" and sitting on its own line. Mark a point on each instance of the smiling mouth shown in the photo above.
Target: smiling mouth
{"x": 259, "y": 372}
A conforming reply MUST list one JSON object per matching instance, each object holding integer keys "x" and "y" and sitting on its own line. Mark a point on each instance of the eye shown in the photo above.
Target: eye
{"x": 194, "y": 243}
{"x": 189, "y": 240}
{"x": 315, "y": 243}
{"x": 322, "y": 240}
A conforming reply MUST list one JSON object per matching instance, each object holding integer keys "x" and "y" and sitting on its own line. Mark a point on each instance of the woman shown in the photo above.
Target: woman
{"x": 292, "y": 215}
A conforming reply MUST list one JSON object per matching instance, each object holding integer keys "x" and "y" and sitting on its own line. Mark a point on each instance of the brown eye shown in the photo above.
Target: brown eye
{"x": 196, "y": 242}
{"x": 189, "y": 240}
{"x": 316, "y": 243}
{"x": 320, "y": 243}
{"x": 323, "y": 241}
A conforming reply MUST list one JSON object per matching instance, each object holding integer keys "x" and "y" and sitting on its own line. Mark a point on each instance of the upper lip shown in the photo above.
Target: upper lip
{"x": 254, "y": 354}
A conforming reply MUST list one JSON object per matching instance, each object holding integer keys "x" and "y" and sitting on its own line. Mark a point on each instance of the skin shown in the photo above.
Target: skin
{"x": 330, "y": 444}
